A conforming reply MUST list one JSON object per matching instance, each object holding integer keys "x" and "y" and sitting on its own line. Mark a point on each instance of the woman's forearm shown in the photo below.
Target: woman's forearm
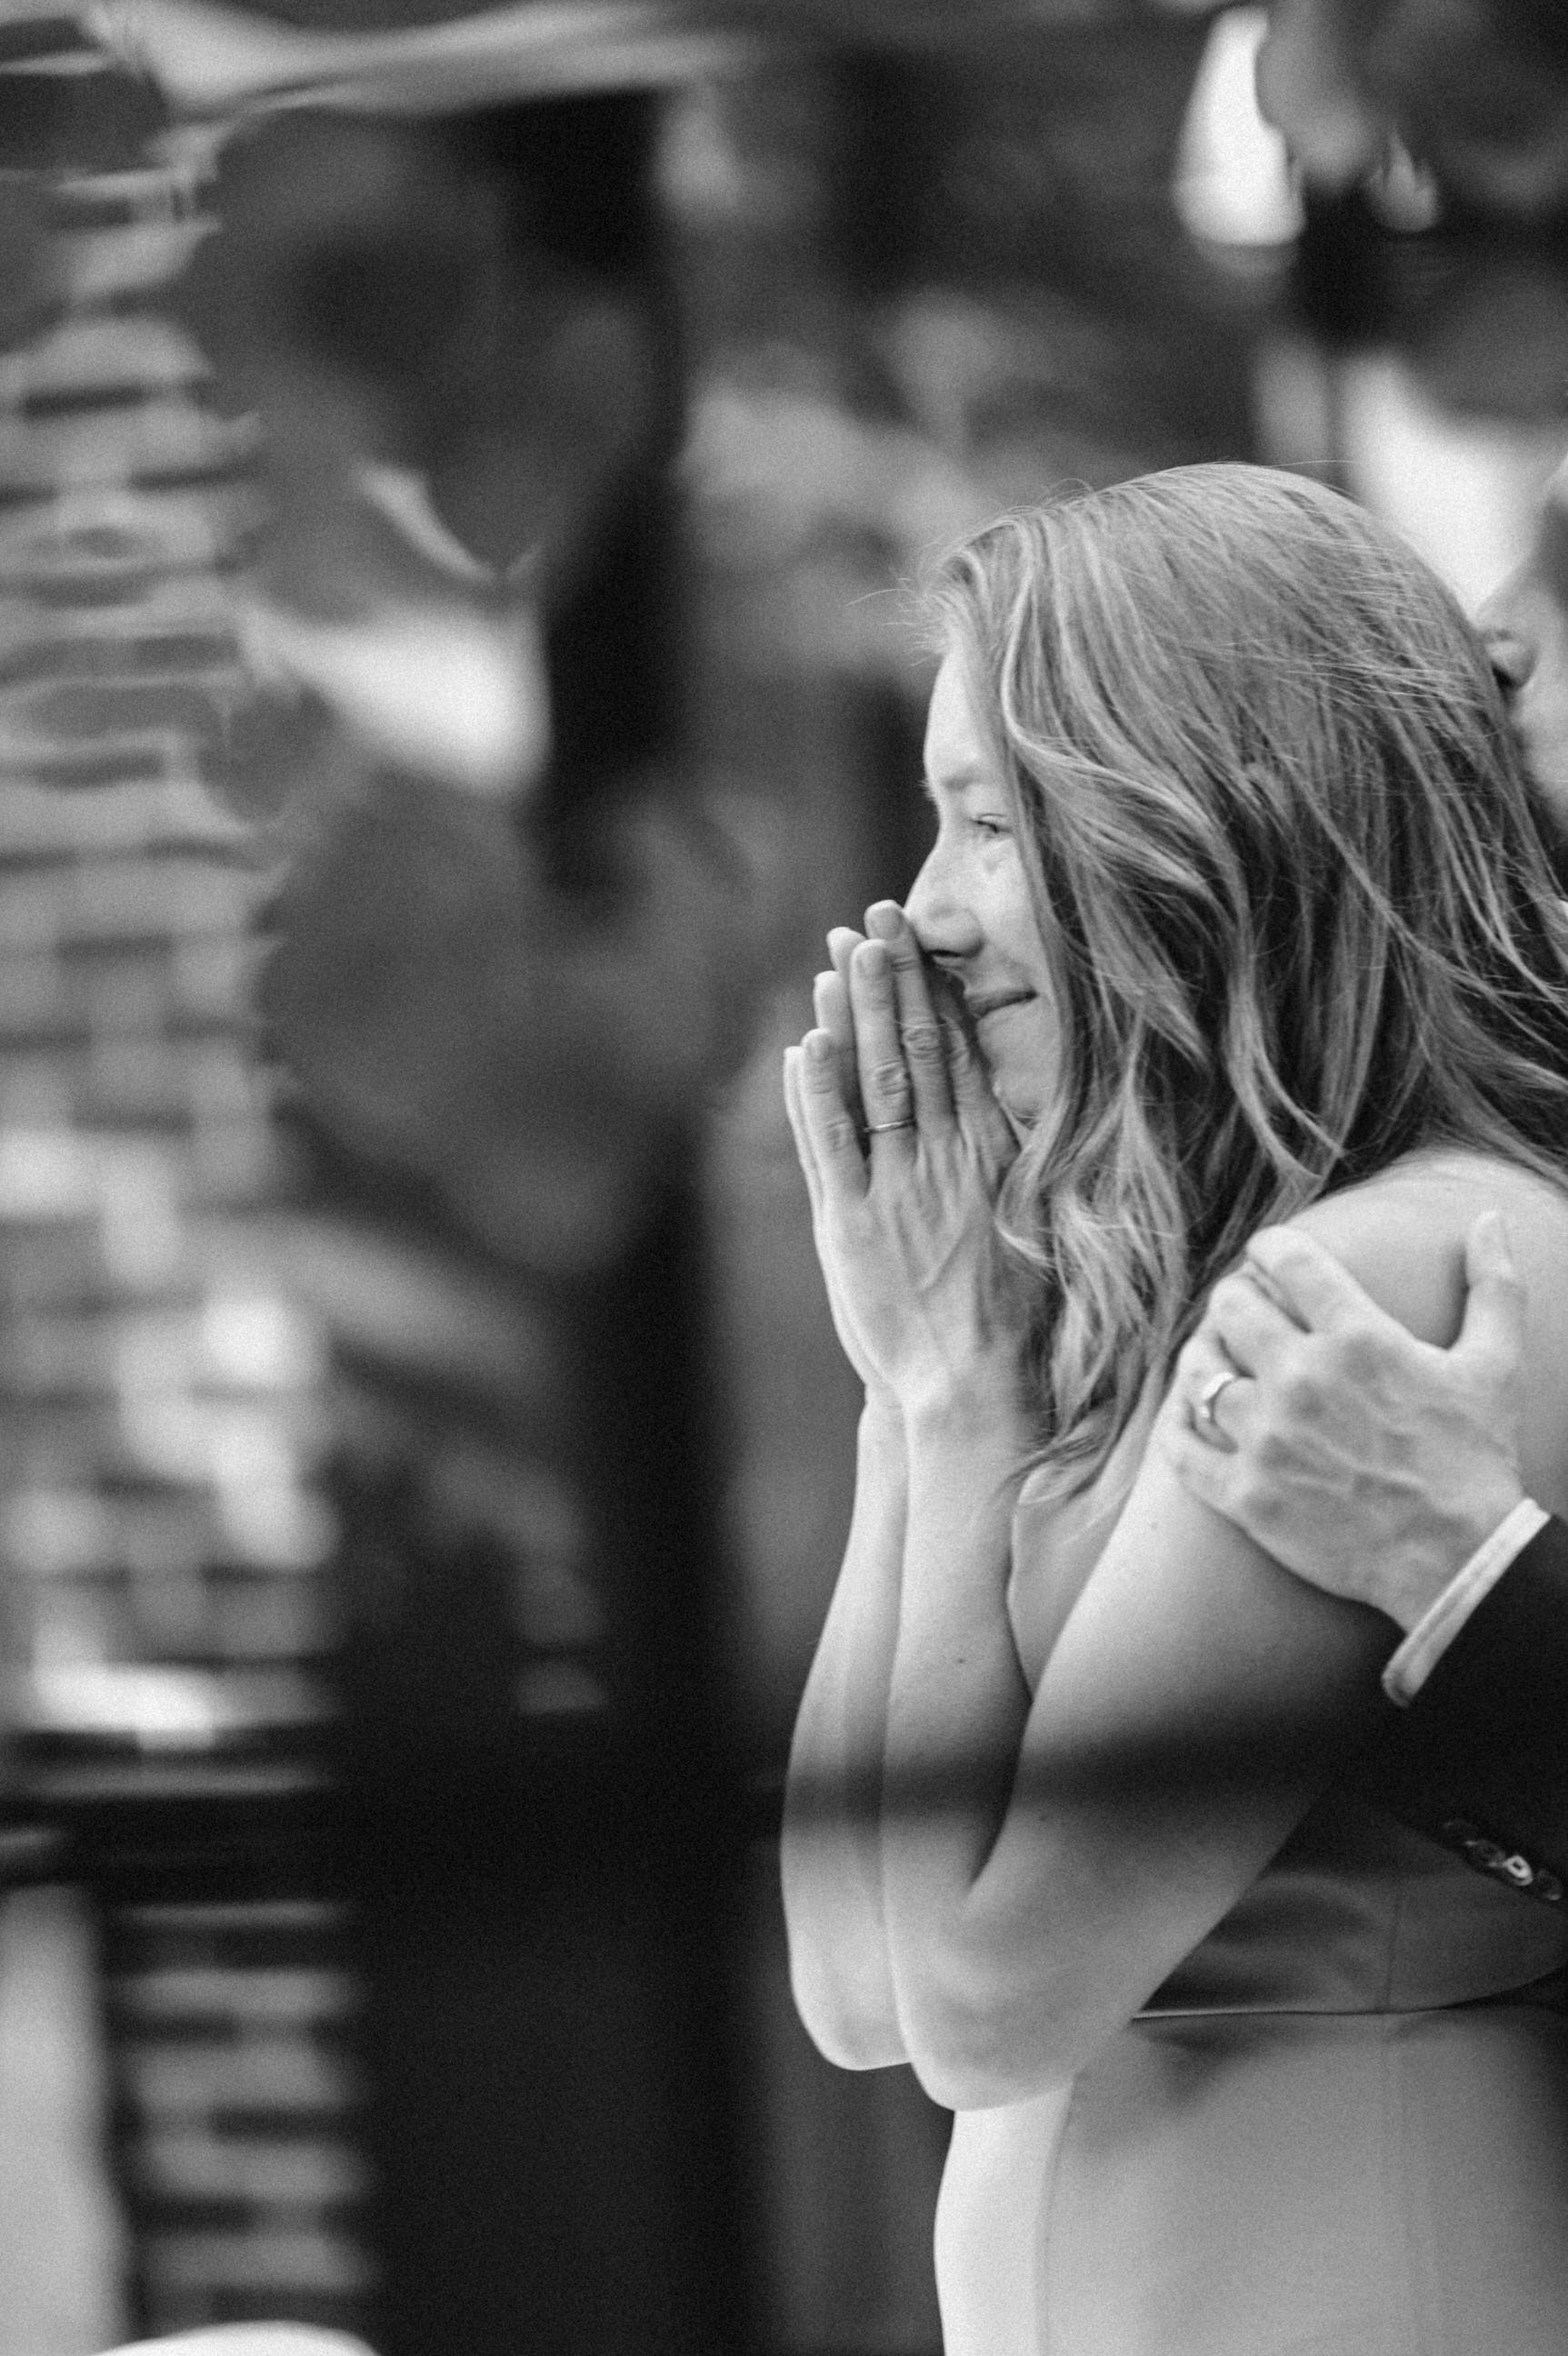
{"x": 956, "y": 1713}
{"x": 831, "y": 1855}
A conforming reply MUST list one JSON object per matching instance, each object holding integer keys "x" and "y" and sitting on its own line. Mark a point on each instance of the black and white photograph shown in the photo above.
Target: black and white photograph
{"x": 783, "y": 1178}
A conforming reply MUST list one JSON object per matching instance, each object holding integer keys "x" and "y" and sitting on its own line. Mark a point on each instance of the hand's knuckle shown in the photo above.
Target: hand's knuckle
{"x": 1231, "y": 1294}
{"x": 1301, "y": 1391}
{"x": 1252, "y": 1503}
{"x": 922, "y": 1042}
{"x": 1363, "y": 1353}
{"x": 1281, "y": 1249}
{"x": 889, "y": 1079}
{"x": 1270, "y": 1451}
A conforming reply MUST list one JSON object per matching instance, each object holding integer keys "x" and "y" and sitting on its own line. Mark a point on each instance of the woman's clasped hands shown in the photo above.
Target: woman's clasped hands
{"x": 904, "y": 1148}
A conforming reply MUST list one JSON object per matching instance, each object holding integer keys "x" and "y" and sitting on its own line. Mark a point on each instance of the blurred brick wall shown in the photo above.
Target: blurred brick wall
{"x": 162, "y": 1540}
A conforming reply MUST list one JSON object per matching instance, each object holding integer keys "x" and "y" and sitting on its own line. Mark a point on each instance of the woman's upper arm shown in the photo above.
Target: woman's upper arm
{"x": 1195, "y": 1704}
{"x": 1196, "y": 1701}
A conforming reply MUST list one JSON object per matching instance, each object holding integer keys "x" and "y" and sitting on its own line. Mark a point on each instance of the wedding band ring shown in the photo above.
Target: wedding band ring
{"x": 881, "y": 1128}
{"x": 1209, "y": 1397}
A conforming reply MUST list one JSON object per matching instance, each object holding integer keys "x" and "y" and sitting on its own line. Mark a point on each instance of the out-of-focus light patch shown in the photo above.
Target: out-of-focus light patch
{"x": 47, "y": 1173}
{"x": 1464, "y": 491}
{"x": 447, "y": 691}
{"x": 275, "y": 1527}
{"x": 213, "y": 57}
{"x": 34, "y": 1092}
{"x": 213, "y": 976}
{"x": 156, "y": 1709}
{"x": 96, "y": 355}
{"x": 52, "y": 1533}
{"x": 32, "y": 989}
{"x": 70, "y": 1635}
{"x": 223, "y": 1083}
{"x": 325, "y": 2087}
{"x": 1234, "y": 184}
{"x": 138, "y": 1213}
{"x": 151, "y": 1352}
{"x": 402, "y": 496}
{"x": 243, "y": 1460}
{"x": 699, "y": 173}
{"x": 205, "y": 1442}
{"x": 168, "y": 1432}
{"x": 248, "y": 1451}
{"x": 1403, "y": 194}
{"x": 262, "y": 1343}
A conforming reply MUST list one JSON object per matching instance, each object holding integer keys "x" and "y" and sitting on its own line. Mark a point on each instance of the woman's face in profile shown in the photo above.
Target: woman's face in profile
{"x": 970, "y": 910}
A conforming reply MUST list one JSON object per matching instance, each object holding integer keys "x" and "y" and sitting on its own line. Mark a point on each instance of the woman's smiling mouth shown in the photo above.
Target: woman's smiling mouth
{"x": 991, "y": 1001}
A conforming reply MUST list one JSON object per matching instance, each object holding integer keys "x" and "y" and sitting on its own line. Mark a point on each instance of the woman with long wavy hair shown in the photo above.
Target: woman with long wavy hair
{"x": 1237, "y": 914}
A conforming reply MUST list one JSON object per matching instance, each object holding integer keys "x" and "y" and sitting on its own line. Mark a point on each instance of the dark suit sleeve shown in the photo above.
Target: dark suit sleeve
{"x": 1480, "y": 1757}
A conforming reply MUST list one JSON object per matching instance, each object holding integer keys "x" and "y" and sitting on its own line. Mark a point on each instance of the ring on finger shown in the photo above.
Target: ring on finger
{"x": 881, "y": 1128}
{"x": 1205, "y": 1416}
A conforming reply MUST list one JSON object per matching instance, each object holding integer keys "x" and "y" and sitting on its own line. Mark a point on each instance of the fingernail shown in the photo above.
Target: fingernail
{"x": 872, "y": 958}
{"x": 818, "y": 1046}
{"x": 885, "y": 920}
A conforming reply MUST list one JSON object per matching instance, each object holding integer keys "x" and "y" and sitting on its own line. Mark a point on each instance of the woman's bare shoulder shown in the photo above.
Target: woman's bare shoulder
{"x": 1402, "y": 1234}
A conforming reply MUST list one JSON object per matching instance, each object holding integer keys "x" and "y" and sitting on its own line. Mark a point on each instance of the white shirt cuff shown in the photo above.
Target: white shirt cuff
{"x": 1432, "y": 1633}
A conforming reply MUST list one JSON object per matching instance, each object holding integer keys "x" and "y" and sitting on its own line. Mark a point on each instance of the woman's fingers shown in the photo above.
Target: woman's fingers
{"x": 829, "y": 1003}
{"x": 919, "y": 1033}
{"x": 842, "y": 943}
{"x": 1213, "y": 1394}
{"x": 886, "y": 1091}
{"x": 794, "y": 1106}
{"x": 828, "y": 1122}
{"x": 977, "y": 1108}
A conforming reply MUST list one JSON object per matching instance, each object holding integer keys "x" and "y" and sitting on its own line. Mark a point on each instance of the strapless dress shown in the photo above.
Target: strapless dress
{"x": 1341, "y": 2129}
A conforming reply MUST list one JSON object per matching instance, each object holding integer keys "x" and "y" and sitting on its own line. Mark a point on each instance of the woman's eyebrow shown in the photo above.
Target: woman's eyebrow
{"x": 960, "y": 781}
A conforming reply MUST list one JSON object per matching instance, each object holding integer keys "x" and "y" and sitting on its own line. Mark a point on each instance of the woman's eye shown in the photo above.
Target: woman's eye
{"x": 994, "y": 829}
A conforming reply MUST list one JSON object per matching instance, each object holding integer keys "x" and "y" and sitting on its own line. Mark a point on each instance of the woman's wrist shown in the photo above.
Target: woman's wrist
{"x": 978, "y": 1407}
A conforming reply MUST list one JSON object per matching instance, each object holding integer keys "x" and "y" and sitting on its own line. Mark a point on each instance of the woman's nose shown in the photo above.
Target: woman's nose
{"x": 936, "y": 910}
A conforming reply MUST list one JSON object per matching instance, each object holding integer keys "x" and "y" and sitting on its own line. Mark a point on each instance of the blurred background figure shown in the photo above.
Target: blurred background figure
{"x": 1473, "y": 92}
{"x": 454, "y": 466}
